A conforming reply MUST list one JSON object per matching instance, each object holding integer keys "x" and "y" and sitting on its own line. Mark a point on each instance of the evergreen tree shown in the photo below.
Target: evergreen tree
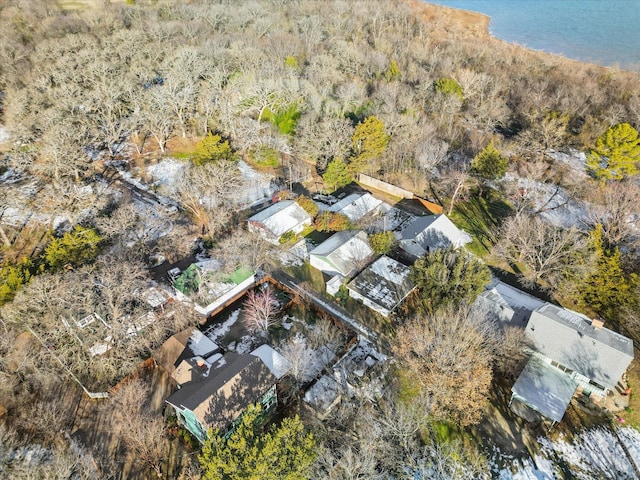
{"x": 489, "y": 163}
{"x": 382, "y": 242}
{"x": 284, "y": 452}
{"x": 616, "y": 154}
{"x": 337, "y": 174}
{"x": 12, "y": 278}
{"x": 370, "y": 140}
{"x": 212, "y": 149}
{"x": 74, "y": 248}
{"x": 608, "y": 289}
{"x": 393, "y": 72}
{"x": 449, "y": 277}
{"x": 449, "y": 86}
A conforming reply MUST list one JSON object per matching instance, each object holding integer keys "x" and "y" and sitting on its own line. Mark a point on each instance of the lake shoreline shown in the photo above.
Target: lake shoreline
{"x": 467, "y": 25}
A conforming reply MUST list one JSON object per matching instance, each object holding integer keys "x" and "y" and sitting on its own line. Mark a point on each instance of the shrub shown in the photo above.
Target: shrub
{"x": 265, "y": 156}
{"x": 332, "y": 222}
{"x": 288, "y": 238}
{"x": 308, "y": 205}
{"x": 212, "y": 149}
{"x": 383, "y": 242}
{"x": 449, "y": 86}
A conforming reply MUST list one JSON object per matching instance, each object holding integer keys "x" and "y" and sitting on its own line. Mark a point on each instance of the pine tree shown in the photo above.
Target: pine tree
{"x": 489, "y": 163}
{"x": 608, "y": 289}
{"x": 283, "y": 452}
{"x": 449, "y": 277}
{"x": 370, "y": 140}
{"x": 74, "y": 248}
{"x": 616, "y": 154}
{"x": 337, "y": 174}
{"x": 212, "y": 149}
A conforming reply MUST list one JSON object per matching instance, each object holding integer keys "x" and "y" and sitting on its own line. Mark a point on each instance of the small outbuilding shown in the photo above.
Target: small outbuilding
{"x": 428, "y": 233}
{"x": 357, "y": 205}
{"x": 344, "y": 253}
{"x": 278, "y": 219}
{"x": 382, "y": 286}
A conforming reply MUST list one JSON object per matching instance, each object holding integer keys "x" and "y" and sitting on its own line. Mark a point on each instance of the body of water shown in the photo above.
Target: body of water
{"x": 606, "y": 32}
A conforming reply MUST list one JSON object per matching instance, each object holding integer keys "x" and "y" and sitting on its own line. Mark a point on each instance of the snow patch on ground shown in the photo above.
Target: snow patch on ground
{"x": 166, "y": 171}
{"x": 216, "y": 332}
{"x": 4, "y": 134}
{"x": 575, "y": 160}
{"x": 553, "y": 203}
{"x": 594, "y": 453}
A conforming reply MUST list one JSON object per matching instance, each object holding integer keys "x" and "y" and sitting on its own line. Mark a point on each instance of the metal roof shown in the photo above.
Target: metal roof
{"x": 431, "y": 232}
{"x": 545, "y": 389}
{"x": 281, "y": 217}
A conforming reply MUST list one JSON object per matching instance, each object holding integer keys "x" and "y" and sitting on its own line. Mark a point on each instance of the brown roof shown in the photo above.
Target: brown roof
{"x": 220, "y": 398}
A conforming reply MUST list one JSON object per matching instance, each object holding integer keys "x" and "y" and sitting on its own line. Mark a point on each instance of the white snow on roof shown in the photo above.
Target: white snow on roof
{"x": 323, "y": 394}
{"x": 281, "y": 217}
{"x": 276, "y": 363}
{"x": 200, "y": 344}
{"x": 356, "y": 205}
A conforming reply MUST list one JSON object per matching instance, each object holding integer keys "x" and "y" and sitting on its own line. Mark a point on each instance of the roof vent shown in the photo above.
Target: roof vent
{"x": 597, "y": 323}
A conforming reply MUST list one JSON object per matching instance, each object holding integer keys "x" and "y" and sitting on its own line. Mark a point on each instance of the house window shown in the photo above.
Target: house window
{"x": 561, "y": 367}
{"x": 597, "y": 385}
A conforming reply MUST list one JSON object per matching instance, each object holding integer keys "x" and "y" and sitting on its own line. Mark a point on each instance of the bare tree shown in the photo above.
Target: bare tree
{"x": 446, "y": 354}
{"x": 261, "y": 310}
{"x": 618, "y": 211}
{"x": 301, "y": 357}
{"x": 141, "y": 430}
{"x": 543, "y": 252}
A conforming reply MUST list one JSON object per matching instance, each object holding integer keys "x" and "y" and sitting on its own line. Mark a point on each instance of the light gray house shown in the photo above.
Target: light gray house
{"x": 382, "y": 286}
{"x": 357, "y": 205}
{"x": 343, "y": 253}
{"x": 571, "y": 352}
{"x": 278, "y": 219}
{"x": 508, "y": 303}
{"x": 428, "y": 233}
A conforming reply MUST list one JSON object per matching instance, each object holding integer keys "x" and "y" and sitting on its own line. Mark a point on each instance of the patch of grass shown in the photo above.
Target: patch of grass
{"x": 307, "y": 274}
{"x": 481, "y": 216}
{"x": 631, "y": 415}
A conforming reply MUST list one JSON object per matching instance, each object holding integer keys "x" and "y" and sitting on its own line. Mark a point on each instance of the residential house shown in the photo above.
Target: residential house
{"x": 508, "y": 303}
{"x": 356, "y": 205}
{"x": 188, "y": 346}
{"x": 570, "y": 353}
{"x": 428, "y": 233}
{"x": 226, "y": 387}
{"x": 382, "y": 286}
{"x": 278, "y": 219}
{"x": 343, "y": 253}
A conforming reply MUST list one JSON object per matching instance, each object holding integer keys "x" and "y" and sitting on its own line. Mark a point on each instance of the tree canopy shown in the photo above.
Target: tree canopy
{"x": 74, "y": 248}
{"x": 370, "y": 140}
{"x": 446, "y": 360}
{"x": 212, "y": 149}
{"x": 283, "y": 452}
{"x": 447, "y": 277}
{"x": 489, "y": 163}
{"x": 616, "y": 154}
{"x": 337, "y": 174}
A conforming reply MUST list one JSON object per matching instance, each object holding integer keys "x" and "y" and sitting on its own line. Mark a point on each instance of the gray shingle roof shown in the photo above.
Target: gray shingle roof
{"x": 571, "y": 340}
{"x": 429, "y": 233}
{"x": 221, "y": 397}
{"x": 385, "y": 282}
{"x": 344, "y": 250}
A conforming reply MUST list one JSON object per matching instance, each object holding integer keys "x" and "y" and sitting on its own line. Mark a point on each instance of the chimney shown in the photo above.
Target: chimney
{"x": 200, "y": 362}
{"x": 596, "y": 323}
